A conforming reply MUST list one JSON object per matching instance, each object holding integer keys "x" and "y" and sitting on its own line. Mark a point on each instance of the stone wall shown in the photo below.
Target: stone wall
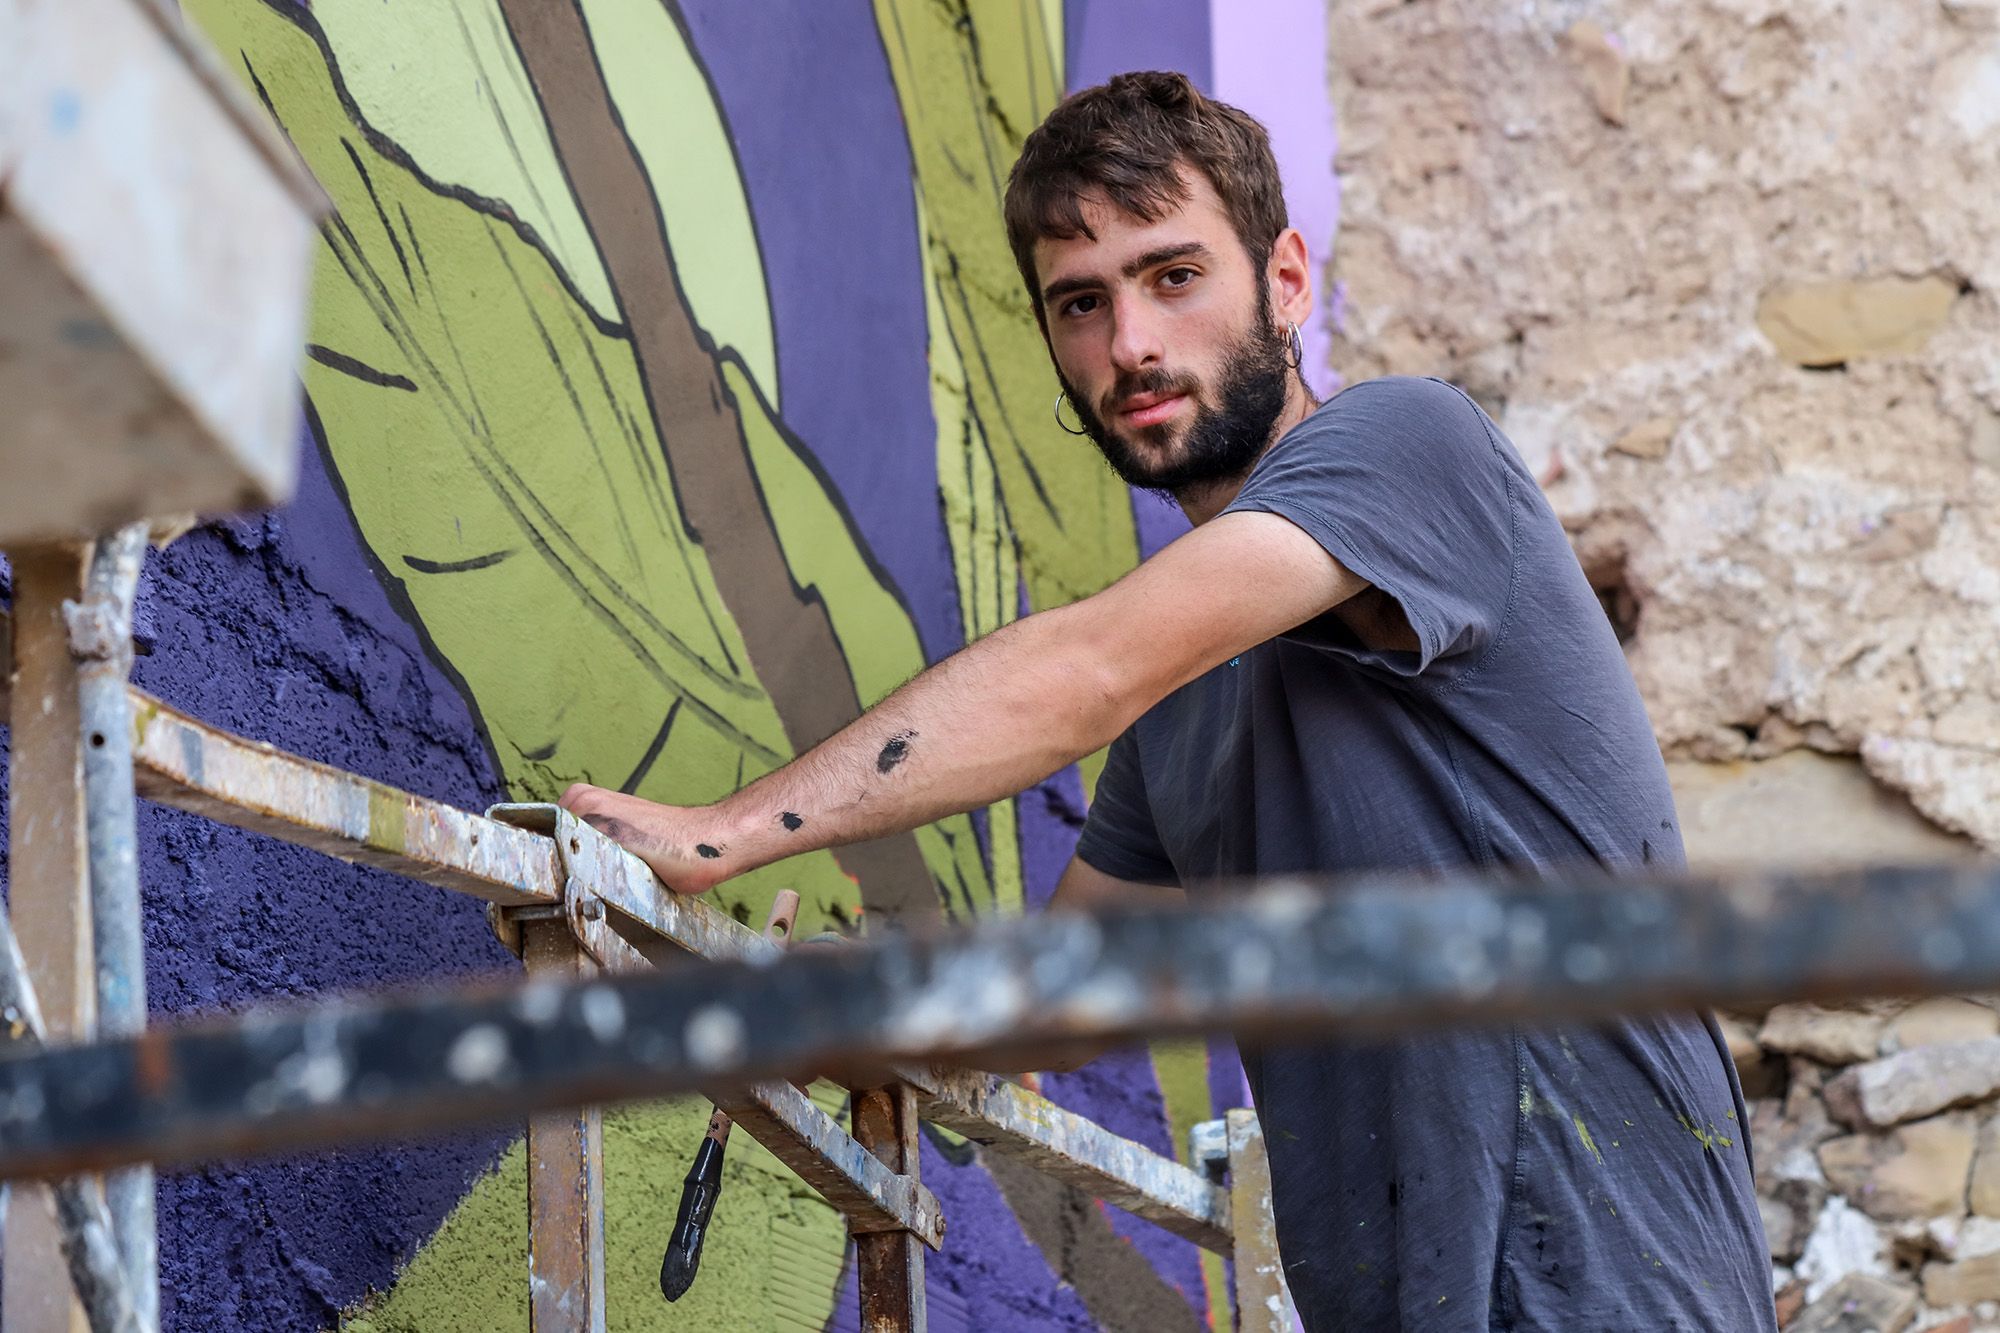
{"x": 1725, "y": 270}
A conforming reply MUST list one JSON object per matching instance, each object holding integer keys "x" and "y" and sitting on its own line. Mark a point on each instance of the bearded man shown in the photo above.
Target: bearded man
{"x": 1375, "y": 651}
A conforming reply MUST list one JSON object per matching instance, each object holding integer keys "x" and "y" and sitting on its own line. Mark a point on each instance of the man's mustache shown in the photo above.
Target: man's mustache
{"x": 1152, "y": 380}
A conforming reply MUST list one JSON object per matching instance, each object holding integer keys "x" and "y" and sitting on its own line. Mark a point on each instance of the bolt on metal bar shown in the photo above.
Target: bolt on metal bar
{"x": 84, "y": 1227}
{"x": 806, "y": 1139}
{"x": 1289, "y": 959}
{"x": 100, "y": 639}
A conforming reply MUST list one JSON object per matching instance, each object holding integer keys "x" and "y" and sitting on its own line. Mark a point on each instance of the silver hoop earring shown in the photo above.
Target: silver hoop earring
{"x": 1061, "y": 398}
{"x": 1298, "y": 348}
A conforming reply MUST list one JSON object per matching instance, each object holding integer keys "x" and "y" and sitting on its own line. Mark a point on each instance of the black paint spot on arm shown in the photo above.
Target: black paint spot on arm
{"x": 791, "y": 822}
{"x": 703, "y": 849}
{"x": 895, "y": 751}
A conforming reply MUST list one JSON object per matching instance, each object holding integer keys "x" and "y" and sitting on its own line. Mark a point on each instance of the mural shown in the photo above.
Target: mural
{"x": 671, "y": 398}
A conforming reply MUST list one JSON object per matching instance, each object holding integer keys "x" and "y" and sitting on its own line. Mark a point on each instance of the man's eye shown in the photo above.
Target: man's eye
{"x": 1079, "y": 305}
{"x": 1177, "y": 277}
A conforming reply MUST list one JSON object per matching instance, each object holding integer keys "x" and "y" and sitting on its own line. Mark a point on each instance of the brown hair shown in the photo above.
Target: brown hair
{"x": 1125, "y": 142}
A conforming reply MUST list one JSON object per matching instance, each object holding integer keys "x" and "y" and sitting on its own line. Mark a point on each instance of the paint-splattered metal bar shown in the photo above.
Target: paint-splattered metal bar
{"x": 870, "y": 1195}
{"x": 1288, "y": 959}
{"x": 1009, "y": 1119}
{"x": 180, "y": 762}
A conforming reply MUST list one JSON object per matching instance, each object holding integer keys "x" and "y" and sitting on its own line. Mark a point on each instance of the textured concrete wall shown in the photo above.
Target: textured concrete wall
{"x": 1726, "y": 271}
{"x": 670, "y": 392}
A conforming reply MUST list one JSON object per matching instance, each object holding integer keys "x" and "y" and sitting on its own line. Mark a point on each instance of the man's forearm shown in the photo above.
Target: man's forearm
{"x": 977, "y": 727}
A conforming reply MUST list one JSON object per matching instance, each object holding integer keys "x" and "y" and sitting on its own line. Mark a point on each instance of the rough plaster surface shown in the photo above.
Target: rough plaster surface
{"x": 1807, "y": 555}
{"x": 275, "y": 627}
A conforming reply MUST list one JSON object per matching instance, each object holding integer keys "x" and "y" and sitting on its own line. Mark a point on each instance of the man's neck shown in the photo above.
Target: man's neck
{"x": 1201, "y": 503}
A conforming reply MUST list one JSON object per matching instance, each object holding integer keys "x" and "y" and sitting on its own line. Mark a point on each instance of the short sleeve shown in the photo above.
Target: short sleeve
{"x": 1407, "y": 484}
{"x": 1119, "y": 837}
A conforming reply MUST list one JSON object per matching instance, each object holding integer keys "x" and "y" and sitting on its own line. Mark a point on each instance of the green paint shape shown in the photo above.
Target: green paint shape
{"x": 1583, "y": 1134}
{"x": 388, "y": 829}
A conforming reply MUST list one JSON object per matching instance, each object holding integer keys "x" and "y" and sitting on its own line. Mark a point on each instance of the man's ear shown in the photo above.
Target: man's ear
{"x": 1289, "y": 274}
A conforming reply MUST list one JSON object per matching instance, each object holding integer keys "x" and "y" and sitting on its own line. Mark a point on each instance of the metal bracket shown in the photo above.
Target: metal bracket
{"x": 626, "y": 920}
{"x": 1208, "y": 1148}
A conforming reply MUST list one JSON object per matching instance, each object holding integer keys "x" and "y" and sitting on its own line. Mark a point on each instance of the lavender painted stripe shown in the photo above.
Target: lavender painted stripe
{"x": 825, "y": 158}
{"x": 1270, "y": 60}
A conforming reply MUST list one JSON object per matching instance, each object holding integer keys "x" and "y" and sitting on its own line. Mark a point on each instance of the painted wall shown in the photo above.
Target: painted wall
{"x": 670, "y": 398}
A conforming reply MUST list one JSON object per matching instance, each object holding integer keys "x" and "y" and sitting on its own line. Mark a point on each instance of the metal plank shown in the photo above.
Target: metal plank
{"x": 1263, "y": 1305}
{"x": 1007, "y": 1118}
{"x": 889, "y": 1265}
{"x": 872, "y": 1197}
{"x": 49, "y": 890}
{"x": 180, "y": 762}
{"x": 1287, "y": 960}
{"x": 775, "y": 1113}
{"x": 565, "y": 1175}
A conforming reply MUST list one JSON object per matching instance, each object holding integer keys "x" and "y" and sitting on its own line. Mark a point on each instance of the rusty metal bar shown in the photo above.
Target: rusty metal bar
{"x": 49, "y": 890}
{"x": 1007, "y": 1118}
{"x": 1263, "y": 1304}
{"x": 599, "y": 875}
{"x": 889, "y": 1265}
{"x": 1369, "y": 956}
{"x": 565, "y": 1173}
{"x": 872, "y": 1197}
{"x": 184, "y": 763}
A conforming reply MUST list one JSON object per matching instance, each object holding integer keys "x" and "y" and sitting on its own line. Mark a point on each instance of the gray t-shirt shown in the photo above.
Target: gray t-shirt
{"x": 1578, "y": 1178}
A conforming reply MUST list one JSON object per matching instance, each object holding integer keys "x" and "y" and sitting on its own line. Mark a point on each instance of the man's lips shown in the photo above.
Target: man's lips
{"x": 1149, "y": 409}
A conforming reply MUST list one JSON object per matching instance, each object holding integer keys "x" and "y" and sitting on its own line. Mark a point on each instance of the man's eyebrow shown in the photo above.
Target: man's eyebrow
{"x": 1062, "y": 287}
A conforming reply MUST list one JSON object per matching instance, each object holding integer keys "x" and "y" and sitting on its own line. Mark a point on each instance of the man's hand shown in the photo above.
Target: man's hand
{"x": 668, "y": 838}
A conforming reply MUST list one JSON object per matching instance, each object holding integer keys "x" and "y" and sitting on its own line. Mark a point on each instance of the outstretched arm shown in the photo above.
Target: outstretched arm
{"x": 1002, "y": 714}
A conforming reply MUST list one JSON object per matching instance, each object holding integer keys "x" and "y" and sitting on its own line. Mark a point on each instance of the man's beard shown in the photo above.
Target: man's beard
{"x": 1225, "y": 437}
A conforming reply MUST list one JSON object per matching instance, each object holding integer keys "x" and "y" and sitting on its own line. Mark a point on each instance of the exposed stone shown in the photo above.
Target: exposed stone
{"x": 1789, "y": 1300}
{"x": 1761, "y": 1073}
{"x": 1941, "y": 1019}
{"x": 1831, "y": 1036}
{"x": 1962, "y": 1324}
{"x": 1843, "y": 1241}
{"x": 1915, "y": 1083}
{"x": 1915, "y": 1171}
{"x": 1829, "y": 323}
{"x": 1789, "y": 1209}
{"x": 1963, "y": 1281}
{"x": 1984, "y": 1194}
{"x": 1860, "y": 1303}
{"x": 1601, "y": 56}
{"x": 1823, "y": 549}
{"x": 1799, "y": 808}
{"x": 1648, "y": 439}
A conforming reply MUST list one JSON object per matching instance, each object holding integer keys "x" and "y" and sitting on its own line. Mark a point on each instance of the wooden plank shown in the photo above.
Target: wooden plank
{"x": 565, "y": 1176}
{"x": 1263, "y": 1305}
{"x": 48, "y": 894}
{"x": 889, "y": 1265}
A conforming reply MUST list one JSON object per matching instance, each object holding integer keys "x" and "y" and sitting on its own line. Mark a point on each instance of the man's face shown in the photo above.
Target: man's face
{"x": 1163, "y": 339}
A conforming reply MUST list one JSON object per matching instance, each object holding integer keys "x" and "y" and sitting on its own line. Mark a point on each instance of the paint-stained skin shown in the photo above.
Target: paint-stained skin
{"x": 702, "y": 849}
{"x": 791, "y": 822}
{"x": 895, "y": 751}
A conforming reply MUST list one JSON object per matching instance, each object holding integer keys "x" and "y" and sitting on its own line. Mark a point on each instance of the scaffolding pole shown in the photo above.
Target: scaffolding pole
{"x": 1287, "y": 960}
{"x": 100, "y": 639}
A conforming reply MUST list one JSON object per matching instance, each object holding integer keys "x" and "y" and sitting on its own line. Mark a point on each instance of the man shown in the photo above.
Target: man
{"x": 1375, "y": 650}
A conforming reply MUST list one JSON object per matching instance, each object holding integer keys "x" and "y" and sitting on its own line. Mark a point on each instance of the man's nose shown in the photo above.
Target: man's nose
{"x": 1135, "y": 340}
